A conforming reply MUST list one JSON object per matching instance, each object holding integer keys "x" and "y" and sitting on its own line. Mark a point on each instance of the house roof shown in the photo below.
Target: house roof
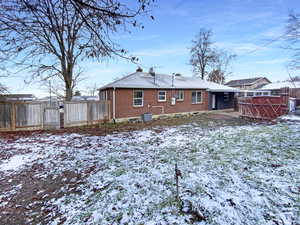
{"x": 248, "y": 81}
{"x": 278, "y": 85}
{"x": 17, "y": 97}
{"x": 85, "y": 98}
{"x": 164, "y": 81}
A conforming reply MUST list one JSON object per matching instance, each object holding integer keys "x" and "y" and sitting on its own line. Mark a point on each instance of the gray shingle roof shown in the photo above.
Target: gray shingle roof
{"x": 248, "y": 81}
{"x": 164, "y": 81}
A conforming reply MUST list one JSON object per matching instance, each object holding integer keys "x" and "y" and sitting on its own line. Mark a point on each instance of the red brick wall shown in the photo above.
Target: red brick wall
{"x": 125, "y": 108}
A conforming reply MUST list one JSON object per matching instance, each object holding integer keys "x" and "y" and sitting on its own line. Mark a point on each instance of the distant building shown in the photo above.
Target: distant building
{"x": 249, "y": 84}
{"x": 275, "y": 88}
{"x": 17, "y": 97}
{"x": 85, "y": 98}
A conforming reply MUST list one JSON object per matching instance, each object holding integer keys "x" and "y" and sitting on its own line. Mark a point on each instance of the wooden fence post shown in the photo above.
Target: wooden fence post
{"x": 88, "y": 113}
{"x": 13, "y": 116}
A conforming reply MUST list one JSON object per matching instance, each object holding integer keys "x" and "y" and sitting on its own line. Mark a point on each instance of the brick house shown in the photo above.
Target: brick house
{"x": 140, "y": 92}
{"x": 249, "y": 84}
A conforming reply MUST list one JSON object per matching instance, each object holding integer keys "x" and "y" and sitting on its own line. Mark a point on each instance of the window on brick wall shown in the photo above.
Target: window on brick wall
{"x": 138, "y": 98}
{"x": 196, "y": 97}
{"x": 179, "y": 95}
{"x": 162, "y": 96}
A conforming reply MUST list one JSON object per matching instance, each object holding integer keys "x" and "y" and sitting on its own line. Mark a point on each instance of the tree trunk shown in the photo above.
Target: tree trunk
{"x": 69, "y": 93}
{"x": 69, "y": 89}
{"x": 202, "y": 72}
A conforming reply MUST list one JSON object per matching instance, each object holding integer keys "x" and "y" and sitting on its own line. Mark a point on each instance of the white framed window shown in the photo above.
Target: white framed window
{"x": 138, "y": 98}
{"x": 196, "y": 97}
{"x": 162, "y": 96}
{"x": 226, "y": 96}
{"x": 258, "y": 94}
{"x": 266, "y": 93}
{"x": 250, "y": 94}
{"x": 179, "y": 95}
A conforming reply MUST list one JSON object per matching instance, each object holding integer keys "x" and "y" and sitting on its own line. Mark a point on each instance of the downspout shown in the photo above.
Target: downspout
{"x": 114, "y": 105}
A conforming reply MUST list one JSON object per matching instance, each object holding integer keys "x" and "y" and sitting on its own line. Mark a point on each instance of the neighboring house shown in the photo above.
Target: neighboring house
{"x": 274, "y": 88}
{"x": 17, "y": 97}
{"x": 85, "y": 98}
{"x": 249, "y": 84}
{"x": 140, "y": 92}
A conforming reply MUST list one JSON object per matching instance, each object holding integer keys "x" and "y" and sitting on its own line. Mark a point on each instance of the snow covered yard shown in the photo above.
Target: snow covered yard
{"x": 230, "y": 175}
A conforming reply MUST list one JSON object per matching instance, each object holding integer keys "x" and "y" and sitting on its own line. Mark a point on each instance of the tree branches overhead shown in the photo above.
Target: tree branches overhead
{"x": 293, "y": 38}
{"x": 49, "y": 37}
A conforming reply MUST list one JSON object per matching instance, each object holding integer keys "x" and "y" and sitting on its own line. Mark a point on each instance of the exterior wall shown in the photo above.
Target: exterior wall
{"x": 220, "y": 103}
{"x": 125, "y": 108}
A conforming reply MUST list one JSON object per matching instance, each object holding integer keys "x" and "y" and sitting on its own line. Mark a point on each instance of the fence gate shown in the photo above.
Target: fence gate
{"x": 5, "y": 116}
{"x": 263, "y": 107}
{"x": 51, "y": 118}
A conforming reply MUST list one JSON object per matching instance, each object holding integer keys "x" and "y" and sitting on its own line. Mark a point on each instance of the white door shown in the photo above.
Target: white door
{"x": 213, "y": 101}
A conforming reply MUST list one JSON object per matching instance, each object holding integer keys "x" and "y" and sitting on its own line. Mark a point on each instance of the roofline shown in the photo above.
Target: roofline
{"x": 175, "y": 88}
{"x": 116, "y": 81}
{"x": 258, "y": 78}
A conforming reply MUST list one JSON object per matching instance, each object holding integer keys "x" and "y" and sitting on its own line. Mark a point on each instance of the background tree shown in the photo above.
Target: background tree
{"x": 203, "y": 55}
{"x": 3, "y": 89}
{"x": 219, "y": 71}
{"x": 92, "y": 90}
{"x": 47, "y": 38}
{"x": 293, "y": 38}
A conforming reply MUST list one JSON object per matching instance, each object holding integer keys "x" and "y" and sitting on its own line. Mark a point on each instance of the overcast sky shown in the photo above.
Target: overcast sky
{"x": 243, "y": 27}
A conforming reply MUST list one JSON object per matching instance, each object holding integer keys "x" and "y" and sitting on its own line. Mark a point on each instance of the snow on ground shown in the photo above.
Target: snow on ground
{"x": 290, "y": 117}
{"x": 230, "y": 175}
{"x": 17, "y": 161}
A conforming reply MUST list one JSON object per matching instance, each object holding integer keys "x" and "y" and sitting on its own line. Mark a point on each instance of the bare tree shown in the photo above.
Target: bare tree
{"x": 220, "y": 67}
{"x": 294, "y": 79}
{"x": 92, "y": 90}
{"x": 203, "y": 55}
{"x": 48, "y": 38}
{"x": 56, "y": 85}
{"x": 3, "y": 88}
{"x": 293, "y": 38}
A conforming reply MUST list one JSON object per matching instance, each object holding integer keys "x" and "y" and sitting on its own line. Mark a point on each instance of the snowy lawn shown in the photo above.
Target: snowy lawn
{"x": 230, "y": 175}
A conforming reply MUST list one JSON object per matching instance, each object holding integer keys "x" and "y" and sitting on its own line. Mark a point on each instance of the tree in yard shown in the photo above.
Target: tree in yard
{"x": 293, "y": 38}
{"x": 202, "y": 52}
{"x": 48, "y": 38}
{"x": 220, "y": 67}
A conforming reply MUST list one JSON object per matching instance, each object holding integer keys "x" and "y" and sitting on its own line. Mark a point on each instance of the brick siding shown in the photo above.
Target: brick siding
{"x": 125, "y": 108}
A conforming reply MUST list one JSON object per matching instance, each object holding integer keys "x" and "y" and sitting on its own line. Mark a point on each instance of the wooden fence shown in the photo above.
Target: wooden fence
{"x": 85, "y": 113}
{"x": 15, "y": 116}
{"x": 263, "y": 107}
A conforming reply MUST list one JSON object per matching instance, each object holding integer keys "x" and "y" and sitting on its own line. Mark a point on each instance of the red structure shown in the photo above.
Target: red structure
{"x": 264, "y": 107}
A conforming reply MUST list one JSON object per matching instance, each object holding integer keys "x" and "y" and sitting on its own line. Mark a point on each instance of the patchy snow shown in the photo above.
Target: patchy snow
{"x": 290, "y": 117}
{"x": 230, "y": 175}
{"x": 16, "y": 162}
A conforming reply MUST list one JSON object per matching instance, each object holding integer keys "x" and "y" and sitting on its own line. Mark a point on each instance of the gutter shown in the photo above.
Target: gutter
{"x": 114, "y": 104}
